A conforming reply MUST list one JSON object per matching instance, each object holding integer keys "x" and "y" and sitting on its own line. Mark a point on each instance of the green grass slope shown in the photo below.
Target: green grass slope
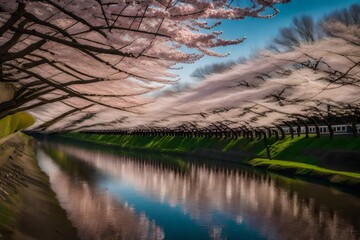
{"x": 294, "y": 156}
{"x": 172, "y": 143}
{"x": 14, "y": 123}
{"x": 294, "y": 149}
{"x": 303, "y": 169}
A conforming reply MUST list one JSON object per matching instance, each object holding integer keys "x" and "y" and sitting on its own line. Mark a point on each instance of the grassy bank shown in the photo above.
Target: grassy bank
{"x": 16, "y": 122}
{"x": 172, "y": 143}
{"x": 322, "y": 158}
{"x": 303, "y": 169}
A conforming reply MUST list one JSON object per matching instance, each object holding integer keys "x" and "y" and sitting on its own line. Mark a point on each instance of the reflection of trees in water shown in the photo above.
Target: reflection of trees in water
{"x": 74, "y": 168}
{"x": 96, "y": 214}
{"x": 257, "y": 200}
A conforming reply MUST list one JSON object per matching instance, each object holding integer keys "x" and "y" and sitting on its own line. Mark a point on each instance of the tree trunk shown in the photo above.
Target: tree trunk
{"x": 316, "y": 127}
{"x": 298, "y": 128}
{"x": 353, "y": 125}
{"x": 291, "y": 129}
{"x": 306, "y": 127}
{"x": 269, "y": 131}
{"x": 259, "y": 133}
{"x": 331, "y": 131}
{"x": 281, "y": 131}
{"x": 266, "y": 144}
{"x": 276, "y": 134}
{"x": 245, "y": 133}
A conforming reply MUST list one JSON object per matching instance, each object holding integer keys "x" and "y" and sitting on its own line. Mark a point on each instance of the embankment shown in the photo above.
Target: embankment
{"x": 333, "y": 160}
{"x": 28, "y": 207}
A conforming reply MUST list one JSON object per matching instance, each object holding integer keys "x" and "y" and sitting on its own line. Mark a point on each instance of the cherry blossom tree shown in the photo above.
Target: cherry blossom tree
{"x": 315, "y": 84}
{"x": 88, "y": 56}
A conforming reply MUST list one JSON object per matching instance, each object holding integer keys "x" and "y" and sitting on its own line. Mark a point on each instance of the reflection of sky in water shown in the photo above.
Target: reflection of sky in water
{"x": 199, "y": 201}
{"x": 177, "y": 223}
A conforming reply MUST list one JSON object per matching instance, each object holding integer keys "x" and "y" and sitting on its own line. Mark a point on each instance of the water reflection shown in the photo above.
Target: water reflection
{"x": 97, "y": 215}
{"x": 149, "y": 198}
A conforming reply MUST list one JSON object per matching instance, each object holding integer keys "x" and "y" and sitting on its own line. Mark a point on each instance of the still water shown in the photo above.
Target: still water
{"x": 110, "y": 194}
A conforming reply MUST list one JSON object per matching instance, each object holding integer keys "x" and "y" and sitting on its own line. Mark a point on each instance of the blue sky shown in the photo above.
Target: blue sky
{"x": 260, "y": 31}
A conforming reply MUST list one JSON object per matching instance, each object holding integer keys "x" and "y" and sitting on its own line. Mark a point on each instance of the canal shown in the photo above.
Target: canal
{"x": 112, "y": 194}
